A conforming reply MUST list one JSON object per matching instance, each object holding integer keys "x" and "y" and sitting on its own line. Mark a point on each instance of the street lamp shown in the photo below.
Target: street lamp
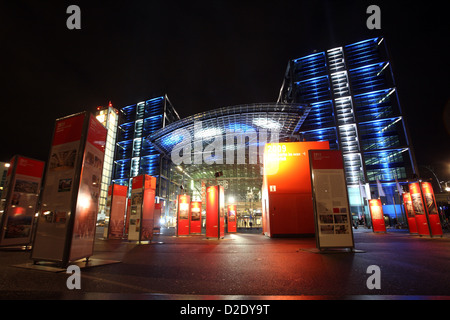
{"x": 434, "y": 174}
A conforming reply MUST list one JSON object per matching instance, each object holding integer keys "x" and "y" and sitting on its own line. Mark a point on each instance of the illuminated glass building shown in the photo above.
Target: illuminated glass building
{"x": 345, "y": 95}
{"x": 354, "y": 105}
{"x": 134, "y": 154}
{"x": 108, "y": 116}
{"x": 225, "y": 146}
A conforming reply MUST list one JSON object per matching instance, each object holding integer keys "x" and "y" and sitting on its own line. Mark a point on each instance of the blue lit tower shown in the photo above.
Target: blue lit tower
{"x": 134, "y": 155}
{"x": 355, "y": 106}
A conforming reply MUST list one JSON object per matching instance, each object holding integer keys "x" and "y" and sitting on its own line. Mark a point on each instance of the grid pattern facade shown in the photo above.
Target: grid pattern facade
{"x": 354, "y": 105}
{"x": 258, "y": 124}
{"x": 134, "y": 154}
{"x": 108, "y": 117}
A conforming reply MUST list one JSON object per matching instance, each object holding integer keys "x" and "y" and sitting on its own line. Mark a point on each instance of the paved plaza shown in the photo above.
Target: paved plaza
{"x": 241, "y": 266}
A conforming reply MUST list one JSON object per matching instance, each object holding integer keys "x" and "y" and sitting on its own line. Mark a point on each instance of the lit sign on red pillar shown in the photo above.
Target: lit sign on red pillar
{"x": 183, "y": 215}
{"x": 148, "y": 208}
{"x": 407, "y": 202}
{"x": 215, "y": 212}
{"x": 376, "y": 213}
{"x": 232, "y": 218}
{"x": 196, "y": 217}
{"x": 142, "y": 208}
{"x": 24, "y": 182}
{"x": 330, "y": 198}
{"x": 66, "y": 225}
{"x": 431, "y": 209}
{"x": 286, "y": 193}
{"x": 421, "y": 218}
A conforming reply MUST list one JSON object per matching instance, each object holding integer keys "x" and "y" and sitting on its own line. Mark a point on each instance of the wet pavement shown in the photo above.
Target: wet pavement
{"x": 243, "y": 266}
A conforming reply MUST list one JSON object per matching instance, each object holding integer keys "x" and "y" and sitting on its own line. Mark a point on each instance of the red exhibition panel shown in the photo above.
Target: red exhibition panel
{"x": 215, "y": 212}
{"x": 21, "y": 199}
{"x": 148, "y": 209}
{"x": 407, "y": 202}
{"x": 183, "y": 214}
{"x": 66, "y": 224}
{"x": 419, "y": 210}
{"x": 117, "y": 198}
{"x": 287, "y": 194}
{"x": 196, "y": 217}
{"x": 431, "y": 209}
{"x": 232, "y": 218}
{"x": 83, "y": 234}
{"x": 376, "y": 213}
{"x": 142, "y": 207}
{"x": 68, "y": 129}
{"x": 30, "y": 167}
{"x": 332, "y": 210}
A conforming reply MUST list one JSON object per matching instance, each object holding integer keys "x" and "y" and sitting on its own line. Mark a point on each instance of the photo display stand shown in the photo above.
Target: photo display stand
{"x": 20, "y": 200}
{"x": 183, "y": 211}
{"x": 142, "y": 208}
{"x": 407, "y": 202}
{"x": 330, "y": 198}
{"x": 377, "y": 216}
{"x": 65, "y": 230}
{"x": 425, "y": 210}
{"x": 195, "y": 217}
{"x": 116, "y": 205}
{"x": 215, "y": 212}
{"x": 231, "y": 221}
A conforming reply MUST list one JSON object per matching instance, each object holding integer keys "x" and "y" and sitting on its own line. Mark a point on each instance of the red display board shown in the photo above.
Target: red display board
{"x": 423, "y": 227}
{"x": 377, "y": 216}
{"x": 431, "y": 209}
{"x": 410, "y": 216}
{"x": 286, "y": 194}
{"x": 215, "y": 207}
{"x": 232, "y": 218}
{"x": 116, "y": 209}
{"x": 184, "y": 202}
{"x": 330, "y": 197}
{"x": 68, "y": 214}
{"x": 23, "y": 183}
{"x": 142, "y": 208}
{"x": 196, "y": 217}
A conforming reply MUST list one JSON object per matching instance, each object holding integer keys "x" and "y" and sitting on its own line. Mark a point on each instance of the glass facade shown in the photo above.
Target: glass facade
{"x": 134, "y": 154}
{"x": 354, "y": 105}
{"x": 214, "y": 141}
{"x": 345, "y": 95}
{"x": 108, "y": 117}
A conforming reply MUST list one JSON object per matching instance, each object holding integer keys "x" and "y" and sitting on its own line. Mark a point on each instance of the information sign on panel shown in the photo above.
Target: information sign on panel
{"x": 331, "y": 207}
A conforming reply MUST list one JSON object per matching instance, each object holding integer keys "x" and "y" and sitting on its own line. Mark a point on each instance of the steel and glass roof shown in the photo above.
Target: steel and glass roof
{"x": 285, "y": 118}
{"x": 241, "y": 181}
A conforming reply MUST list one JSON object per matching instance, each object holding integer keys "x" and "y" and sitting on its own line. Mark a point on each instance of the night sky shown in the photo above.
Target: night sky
{"x": 205, "y": 55}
